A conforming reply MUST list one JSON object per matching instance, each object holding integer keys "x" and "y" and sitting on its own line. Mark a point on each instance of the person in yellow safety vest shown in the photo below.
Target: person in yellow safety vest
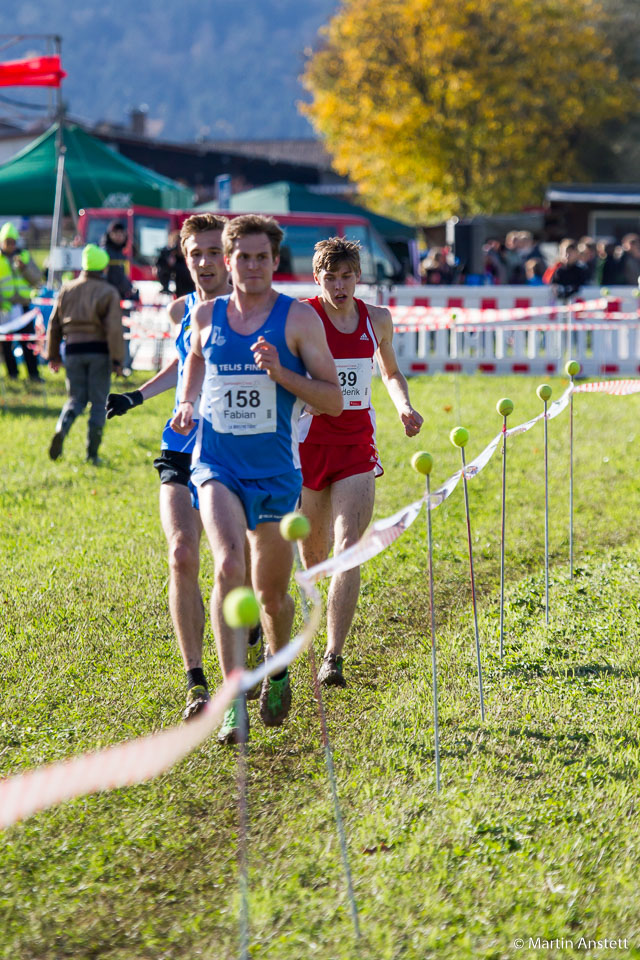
{"x": 15, "y": 291}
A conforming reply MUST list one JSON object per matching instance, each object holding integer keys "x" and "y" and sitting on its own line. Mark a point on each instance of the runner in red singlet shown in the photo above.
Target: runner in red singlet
{"x": 338, "y": 455}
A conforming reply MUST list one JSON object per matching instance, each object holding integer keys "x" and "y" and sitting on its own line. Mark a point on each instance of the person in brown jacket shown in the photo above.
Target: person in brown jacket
{"x": 87, "y": 317}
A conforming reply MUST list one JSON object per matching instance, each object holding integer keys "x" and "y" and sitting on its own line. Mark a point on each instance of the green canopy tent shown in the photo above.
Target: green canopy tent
{"x": 96, "y": 176}
{"x": 286, "y": 197}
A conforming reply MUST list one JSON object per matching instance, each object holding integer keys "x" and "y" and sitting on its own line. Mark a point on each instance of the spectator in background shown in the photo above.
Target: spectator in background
{"x": 494, "y": 264}
{"x": 18, "y": 273}
{"x": 608, "y": 265}
{"x": 434, "y": 269}
{"x": 629, "y": 263}
{"x": 171, "y": 268}
{"x": 114, "y": 242}
{"x": 528, "y": 248}
{"x": 513, "y": 258}
{"x": 569, "y": 275}
{"x": 534, "y": 270}
{"x": 87, "y": 317}
{"x": 588, "y": 256}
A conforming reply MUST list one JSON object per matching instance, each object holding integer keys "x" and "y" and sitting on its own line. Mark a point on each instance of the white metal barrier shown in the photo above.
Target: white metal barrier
{"x": 603, "y": 345}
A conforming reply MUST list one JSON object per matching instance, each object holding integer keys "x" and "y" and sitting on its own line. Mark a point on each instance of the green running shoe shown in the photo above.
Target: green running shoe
{"x": 275, "y": 700}
{"x": 235, "y": 725}
{"x": 255, "y": 657}
{"x": 330, "y": 673}
{"x": 197, "y": 698}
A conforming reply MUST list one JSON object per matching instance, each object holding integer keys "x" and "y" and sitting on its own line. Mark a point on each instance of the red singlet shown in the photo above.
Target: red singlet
{"x": 353, "y": 353}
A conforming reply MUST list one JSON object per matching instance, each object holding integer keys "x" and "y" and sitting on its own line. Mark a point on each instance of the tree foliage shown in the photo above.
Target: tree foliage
{"x": 466, "y": 106}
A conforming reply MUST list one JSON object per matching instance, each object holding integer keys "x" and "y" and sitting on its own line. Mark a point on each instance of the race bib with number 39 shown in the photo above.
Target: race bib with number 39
{"x": 355, "y": 377}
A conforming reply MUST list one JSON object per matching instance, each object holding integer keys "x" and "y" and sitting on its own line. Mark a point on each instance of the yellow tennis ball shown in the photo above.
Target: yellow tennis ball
{"x": 504, "y": 406}
{"x": 459, "y": 436}
{"x": 240, "y": 608}
{"x": 294, "y": 526}
{"x": 572, "y": 368}
{"x": 544, "y": 391}
{"x": 422, "y": 462}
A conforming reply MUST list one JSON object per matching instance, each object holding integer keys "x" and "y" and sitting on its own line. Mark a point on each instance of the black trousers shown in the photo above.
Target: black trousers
{"x": 30, "y": 358}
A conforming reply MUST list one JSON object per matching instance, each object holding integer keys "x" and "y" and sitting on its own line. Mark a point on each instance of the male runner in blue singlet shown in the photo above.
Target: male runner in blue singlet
{"x": 261, "y": 356}
{"x": 201, "y": 240}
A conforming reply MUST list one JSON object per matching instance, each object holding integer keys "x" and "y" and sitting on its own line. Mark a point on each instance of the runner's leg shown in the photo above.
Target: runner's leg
{"x": 316, "y": 506}
{"x": 352, "y": 502}
{"x": 182, "y": 526}
{"x": 271, "y": 562}
{"x": 225, "y": 524}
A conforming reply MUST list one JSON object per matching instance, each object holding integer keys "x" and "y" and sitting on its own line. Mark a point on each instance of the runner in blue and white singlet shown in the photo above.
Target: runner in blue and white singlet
{"x": 170, "y": 439}
{"x": 257, "y": 356}
{"x": 201, "y": 242}
{"x": 249, "y": 423}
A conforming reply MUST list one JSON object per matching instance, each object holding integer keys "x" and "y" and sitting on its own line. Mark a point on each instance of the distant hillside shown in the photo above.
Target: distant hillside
{"x": 231, "y": 72}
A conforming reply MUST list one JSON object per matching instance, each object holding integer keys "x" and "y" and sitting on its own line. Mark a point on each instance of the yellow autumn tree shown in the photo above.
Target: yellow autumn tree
{"x": 441, "y": 107}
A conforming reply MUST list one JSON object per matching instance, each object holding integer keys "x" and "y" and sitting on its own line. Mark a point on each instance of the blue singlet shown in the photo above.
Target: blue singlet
{"x": 171, "y": 440}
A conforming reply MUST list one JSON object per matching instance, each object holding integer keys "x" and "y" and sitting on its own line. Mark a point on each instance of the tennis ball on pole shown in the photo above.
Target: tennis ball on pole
{"x": 294, "y": 526}
{"x": 459, "y": 436}
{"x": 422, "y": 462}
{"x": 504, "y": 406}
{"x": 544, "y": 391}
{"x": 240, "y": 608}
{"x": 572, "y": 368}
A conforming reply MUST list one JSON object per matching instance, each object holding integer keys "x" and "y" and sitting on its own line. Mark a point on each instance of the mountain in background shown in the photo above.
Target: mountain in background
{"x": 211, "y": 71}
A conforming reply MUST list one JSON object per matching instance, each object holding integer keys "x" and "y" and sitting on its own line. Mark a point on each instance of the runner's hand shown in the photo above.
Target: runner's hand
{"x": 120, "y": 403}
{"x": 183, "y": 421}
{"x": 266, "y": 357}
{"x": 411, "y": 421}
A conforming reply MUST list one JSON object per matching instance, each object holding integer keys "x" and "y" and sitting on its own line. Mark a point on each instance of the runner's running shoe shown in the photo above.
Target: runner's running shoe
{"x": 235, "y": 725}
{"x": 330, "y": 673}
{"x": 197, "y": 697}
{"x": 275, "y": 700}
{"x": 255, "y": 656}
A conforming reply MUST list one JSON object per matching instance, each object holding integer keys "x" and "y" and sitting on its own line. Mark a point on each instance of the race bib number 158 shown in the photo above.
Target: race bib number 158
{"x": 243, "y": 404}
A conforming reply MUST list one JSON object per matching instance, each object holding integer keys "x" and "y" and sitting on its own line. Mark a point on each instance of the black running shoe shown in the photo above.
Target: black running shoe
{"x": 330, "y": 673}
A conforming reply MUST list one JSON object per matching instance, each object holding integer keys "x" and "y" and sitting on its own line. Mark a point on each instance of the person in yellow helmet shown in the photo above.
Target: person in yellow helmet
{"x": 87, "y": 317}
{"x": 17, "y": 275}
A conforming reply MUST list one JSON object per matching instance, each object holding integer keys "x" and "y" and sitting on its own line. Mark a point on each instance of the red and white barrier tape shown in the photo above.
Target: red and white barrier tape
{"x": 135, "y": 761}
{"x": 615, "y": 388}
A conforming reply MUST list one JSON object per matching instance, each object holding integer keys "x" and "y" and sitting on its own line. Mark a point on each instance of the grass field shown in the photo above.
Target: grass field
{"x": 535, "y": 832}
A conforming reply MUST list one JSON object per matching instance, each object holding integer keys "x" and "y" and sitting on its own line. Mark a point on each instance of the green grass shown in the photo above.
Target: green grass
{"x": 535, "y": 831}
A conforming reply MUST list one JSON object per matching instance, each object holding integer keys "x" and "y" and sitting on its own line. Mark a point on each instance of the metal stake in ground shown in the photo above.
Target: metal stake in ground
{"x": 572, "y": 369}
{"x": 422, "y": 462}
{"x": 459, "y": 437}
{"x": 504, "y": 408}
{"x": 295, "y": 527}
{"x": 241, "y": 610}
{"x": 544, "y": 392}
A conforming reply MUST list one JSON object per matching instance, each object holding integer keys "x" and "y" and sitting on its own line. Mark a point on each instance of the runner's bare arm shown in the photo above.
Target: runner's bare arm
{"x": 167, "y": 378}
{"x": 392, "y": 378}
{"x": 193, "y": 370}
{"x": 305, "y": 338}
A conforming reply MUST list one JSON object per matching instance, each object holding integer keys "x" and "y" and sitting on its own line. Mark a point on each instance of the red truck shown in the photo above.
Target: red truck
{"x": 148, "y": 230}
